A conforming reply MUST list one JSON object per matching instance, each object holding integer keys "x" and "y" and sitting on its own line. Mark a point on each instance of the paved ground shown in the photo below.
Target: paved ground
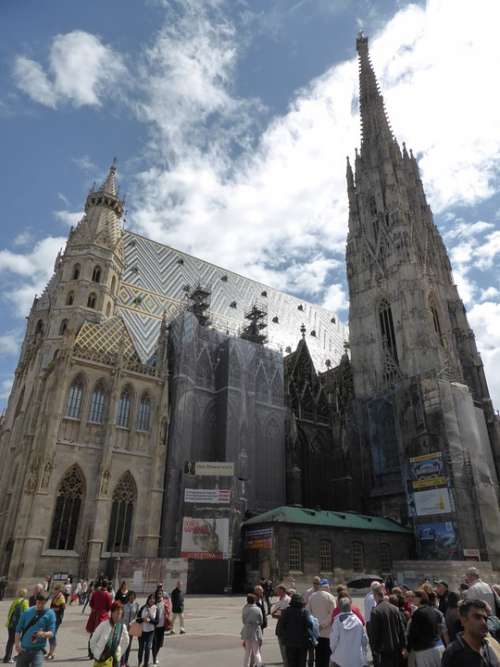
{"x": 213, "y": 625}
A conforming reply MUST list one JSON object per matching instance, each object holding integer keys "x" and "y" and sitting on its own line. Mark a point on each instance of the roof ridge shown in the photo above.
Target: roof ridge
{"x": 234, "y": 273}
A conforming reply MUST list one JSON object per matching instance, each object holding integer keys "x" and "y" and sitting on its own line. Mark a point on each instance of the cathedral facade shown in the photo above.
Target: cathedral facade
{"x": 139, "y": 361}
{"x": 129, "y": 368}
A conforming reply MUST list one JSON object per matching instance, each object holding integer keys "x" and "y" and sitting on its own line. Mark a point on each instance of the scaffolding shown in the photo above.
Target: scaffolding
{"x": 200, "y": 304}
{"x": 257, "y": 324}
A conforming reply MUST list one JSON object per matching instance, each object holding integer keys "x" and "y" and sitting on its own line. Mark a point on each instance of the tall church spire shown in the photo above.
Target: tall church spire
{"x": 375, "y": 126}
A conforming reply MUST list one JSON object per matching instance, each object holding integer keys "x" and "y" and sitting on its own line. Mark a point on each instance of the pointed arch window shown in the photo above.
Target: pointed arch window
{"x": 123, "y": 414}
{"x": 19, "y": 404}
{"x": 96, "y": 274}
{"x": 62, "y": 327}
{"x": 67, "y": 510}
{"x": 261, "y": 386}
{"x": 97, "y": 404}
{"x": 39, "y": 328}
{"x": 92, "y": 300}
{"x": 113, "y": 285}
{"x": 144, "y": 414}
{"x": 75, "y": 395}
{"x": 436, "y": 321}
{"x": 70, "y": 298}
{"x": 122, "y": 512}
{"x": 387, "y": 329}
{"x": 76, "y": 271}
{"x": 295, "y": 554}
{"x": 108, "y": 310}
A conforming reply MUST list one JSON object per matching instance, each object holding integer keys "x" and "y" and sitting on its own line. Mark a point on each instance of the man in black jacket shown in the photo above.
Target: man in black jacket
{"x": 387, "y": 633}
{"x": 470, "y": 648}
{"x": 293, "y": 630}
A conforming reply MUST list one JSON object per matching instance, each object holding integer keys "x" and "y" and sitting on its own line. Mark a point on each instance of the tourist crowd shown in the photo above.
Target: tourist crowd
{"x": 115, "y": 619}
{"x": 431, "y": 626}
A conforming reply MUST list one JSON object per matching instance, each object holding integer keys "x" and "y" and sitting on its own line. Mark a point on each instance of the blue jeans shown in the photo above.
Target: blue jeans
{"x": 145, "y": 643}
{"x": 30, "y": 659}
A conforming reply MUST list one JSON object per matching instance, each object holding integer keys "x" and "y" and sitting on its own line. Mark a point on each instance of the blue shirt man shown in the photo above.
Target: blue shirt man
{"x": 36, "y": 625}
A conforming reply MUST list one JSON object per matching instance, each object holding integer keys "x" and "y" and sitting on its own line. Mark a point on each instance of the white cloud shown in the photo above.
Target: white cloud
{"x": 5, "y": 388}
{"x": 31, "y": 79}
{"x": 279, "y": 200}
{"x": 81, "y": 70}
{"x": 9, "y": 343}
{"x": 335, "y": 298}
{"x": 70, "y": 218}
{"x": 24, "y": 275}
{"x": 489, "y": 293}
{"x": 488, "y": 251}
{"x": 24, "y": 238}
{"x": 484, "y": 318}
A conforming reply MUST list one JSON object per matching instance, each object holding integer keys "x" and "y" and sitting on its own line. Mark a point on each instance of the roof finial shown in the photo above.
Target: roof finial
{"x": 303, "y": 330}
{"x": 109, "y": 185}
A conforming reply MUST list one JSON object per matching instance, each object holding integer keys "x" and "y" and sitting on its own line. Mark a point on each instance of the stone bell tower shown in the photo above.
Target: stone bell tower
{"x": 416, "y": 368}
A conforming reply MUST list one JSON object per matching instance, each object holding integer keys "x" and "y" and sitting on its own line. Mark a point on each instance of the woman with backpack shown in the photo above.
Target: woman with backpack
{"x": 18, "y": 606}
{"x": 110, "y": 639}
{"x": 147, "y": 616}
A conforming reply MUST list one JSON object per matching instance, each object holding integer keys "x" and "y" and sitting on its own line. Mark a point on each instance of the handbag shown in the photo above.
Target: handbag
{"x": 135, "y": 629}
{"x": 104, "y": 663}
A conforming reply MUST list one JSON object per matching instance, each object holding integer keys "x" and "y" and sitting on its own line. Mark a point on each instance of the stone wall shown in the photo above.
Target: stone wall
{"x": 413, "y": 572}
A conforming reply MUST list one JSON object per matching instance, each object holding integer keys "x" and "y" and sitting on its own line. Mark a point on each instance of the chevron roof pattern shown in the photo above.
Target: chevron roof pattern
{"x": 157, "y": 279}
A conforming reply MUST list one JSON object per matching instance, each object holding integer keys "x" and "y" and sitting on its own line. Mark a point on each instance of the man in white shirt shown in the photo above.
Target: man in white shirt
{"x": 370, "y": 600}
{"x": 321, "y": 604}
{"x": 276, "y": 609}
{"x": 478, "y": 589}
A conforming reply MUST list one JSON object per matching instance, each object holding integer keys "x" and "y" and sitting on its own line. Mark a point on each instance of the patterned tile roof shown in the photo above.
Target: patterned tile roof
{"x": 157, "y": 278}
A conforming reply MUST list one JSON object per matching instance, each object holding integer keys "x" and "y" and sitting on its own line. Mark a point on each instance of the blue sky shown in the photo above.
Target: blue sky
{"x": 231, "y": 120}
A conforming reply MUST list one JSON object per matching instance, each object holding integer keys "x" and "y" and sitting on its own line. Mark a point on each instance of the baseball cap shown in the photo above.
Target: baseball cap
{"x": 442, "y": 582}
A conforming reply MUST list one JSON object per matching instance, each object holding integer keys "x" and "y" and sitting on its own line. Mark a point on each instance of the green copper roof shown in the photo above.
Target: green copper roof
{"x": 329, "y": 519}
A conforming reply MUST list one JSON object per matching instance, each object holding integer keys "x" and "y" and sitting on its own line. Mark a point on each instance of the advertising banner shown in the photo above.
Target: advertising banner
{"x": 205, "y": 538}
{"x": 208, "y": 496}
{"x": 209, "y": 468}
{"x": 427, "y": 470}
{"x": 432, "y": 501}
{"x": 260, "y": 538}
{"x": 214, "y": 468}
{"x": 437, "y": 540}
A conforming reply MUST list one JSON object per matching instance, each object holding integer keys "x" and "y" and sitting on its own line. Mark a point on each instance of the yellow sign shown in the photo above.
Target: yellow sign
{"x": 431, "y": 481}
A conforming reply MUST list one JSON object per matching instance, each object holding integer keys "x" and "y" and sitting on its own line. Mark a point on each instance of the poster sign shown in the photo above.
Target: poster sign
{"x": 214, "y": 468}
{"x": 472, "y": 554}
{"x": 437, "y": 540}
{"x": 260, "y": 538}
{"x": 432, "y": 501}
{"x": 427, "y": 471}
{"x": 208, "y": 496}
{"x": 209, "y": 468}
{"x": 205, "y": 538}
